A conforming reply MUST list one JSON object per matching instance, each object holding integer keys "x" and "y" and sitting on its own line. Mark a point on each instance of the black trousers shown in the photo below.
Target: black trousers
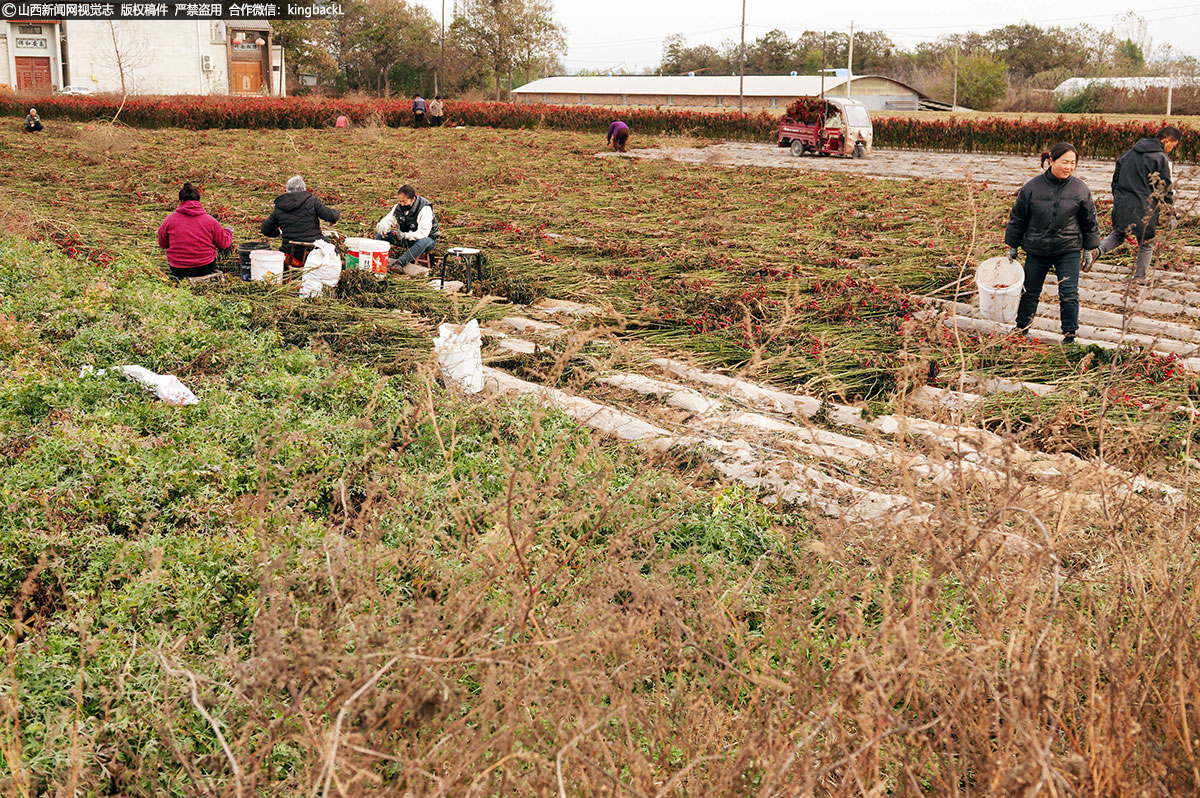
{"x": 1066, "y": 267}
{"x": 194, "y": 271}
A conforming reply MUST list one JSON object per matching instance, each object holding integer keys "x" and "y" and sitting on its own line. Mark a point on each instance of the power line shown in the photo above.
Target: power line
{"x": 932, "y": 29}
{"x": 923, "y": 33}
{"x": 652, "y": 39}
{"x": 1049, "y": 21}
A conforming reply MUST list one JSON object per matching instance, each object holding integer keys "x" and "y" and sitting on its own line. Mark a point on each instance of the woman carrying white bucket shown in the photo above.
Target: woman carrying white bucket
{"x": 1054, "y": 221}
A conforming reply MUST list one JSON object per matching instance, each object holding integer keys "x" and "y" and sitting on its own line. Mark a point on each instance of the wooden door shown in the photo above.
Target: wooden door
{"x": 33, "y": 75}
{"x": 247, "y": 77}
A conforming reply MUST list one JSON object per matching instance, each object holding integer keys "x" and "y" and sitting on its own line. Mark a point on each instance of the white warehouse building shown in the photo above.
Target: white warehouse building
{"x": 1073, "y": 86}
{"x": 877, "y": 92}
{"x": 236, "y": 57}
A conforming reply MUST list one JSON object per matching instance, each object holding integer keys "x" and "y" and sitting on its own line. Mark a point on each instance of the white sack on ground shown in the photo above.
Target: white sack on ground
{"x": 457, "y": 347}
{"x": 166, "y": 386}
{"x": 322, "y": 267}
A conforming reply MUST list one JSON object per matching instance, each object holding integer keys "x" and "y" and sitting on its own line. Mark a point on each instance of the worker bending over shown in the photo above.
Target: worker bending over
{"x": 618, "y": 135}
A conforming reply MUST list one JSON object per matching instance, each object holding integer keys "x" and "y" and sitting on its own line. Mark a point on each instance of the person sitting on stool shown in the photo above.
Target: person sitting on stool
{"x": 410, "y": 222}
{"x": 192, "y": 237}
{"x": 33, "y": 122}
{"x": 296, "y": 218}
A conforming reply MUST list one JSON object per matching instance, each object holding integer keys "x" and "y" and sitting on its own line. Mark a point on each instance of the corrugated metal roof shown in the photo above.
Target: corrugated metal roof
{"x": 697, "y": 85}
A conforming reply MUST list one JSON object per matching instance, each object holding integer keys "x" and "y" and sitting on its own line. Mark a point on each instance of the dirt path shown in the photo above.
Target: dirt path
{"x": 998, "y": 171}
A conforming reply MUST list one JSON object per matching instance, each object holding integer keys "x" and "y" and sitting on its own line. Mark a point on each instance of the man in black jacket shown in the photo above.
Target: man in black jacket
{"x": 297, "y": 218}
{"x": 1141, "y": 185}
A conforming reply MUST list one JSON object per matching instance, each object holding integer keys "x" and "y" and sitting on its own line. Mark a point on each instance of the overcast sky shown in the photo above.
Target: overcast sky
{"x": 628, "y": 34}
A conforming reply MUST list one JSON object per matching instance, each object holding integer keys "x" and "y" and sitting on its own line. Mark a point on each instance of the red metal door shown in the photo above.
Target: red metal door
{"x": 33, "y": 75}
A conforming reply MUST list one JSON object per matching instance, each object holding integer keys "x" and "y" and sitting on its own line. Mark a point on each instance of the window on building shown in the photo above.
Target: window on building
{"x": 216, "y": 33}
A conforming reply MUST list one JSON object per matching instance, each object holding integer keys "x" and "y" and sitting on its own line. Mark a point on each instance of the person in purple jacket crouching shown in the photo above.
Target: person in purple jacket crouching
{"x": 192, "y": 237}
{"x": 618, "y": 135}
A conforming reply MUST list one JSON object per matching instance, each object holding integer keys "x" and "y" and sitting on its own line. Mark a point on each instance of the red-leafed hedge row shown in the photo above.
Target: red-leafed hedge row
{"x": 1094, "y": 137}
{"x": 228, "y": 112}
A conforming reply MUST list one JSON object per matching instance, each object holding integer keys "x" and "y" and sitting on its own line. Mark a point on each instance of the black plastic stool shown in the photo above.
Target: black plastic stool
{"x": 470, "y": 259}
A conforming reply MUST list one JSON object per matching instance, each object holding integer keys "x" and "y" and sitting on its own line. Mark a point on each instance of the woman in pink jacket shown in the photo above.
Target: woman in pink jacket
{"x": 192, "y": 237}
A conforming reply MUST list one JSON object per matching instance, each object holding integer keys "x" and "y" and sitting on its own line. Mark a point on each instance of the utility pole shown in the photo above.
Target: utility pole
{"x": 1170, "y": 86}
{"x": 742, "y": 63}
{"x": 822, "y": 65}
{"x": 442, "y": 57}
{"x": 954, "y": 102}
{"x": 850, "y": 61}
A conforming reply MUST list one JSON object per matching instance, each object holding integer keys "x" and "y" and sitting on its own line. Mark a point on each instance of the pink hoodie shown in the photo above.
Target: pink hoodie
{"x": 191, "y": 237}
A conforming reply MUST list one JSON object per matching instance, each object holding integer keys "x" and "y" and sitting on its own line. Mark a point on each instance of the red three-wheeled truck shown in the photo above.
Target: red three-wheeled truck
{"x": 826, "y": 126}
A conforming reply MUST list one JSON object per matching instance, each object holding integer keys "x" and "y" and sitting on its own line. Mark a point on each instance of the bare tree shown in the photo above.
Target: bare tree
{"x": 507, "y": 33}
{"x": 129, "y": 53}
{"x": 375, "y": 44}
{"x": 394, "y": 34}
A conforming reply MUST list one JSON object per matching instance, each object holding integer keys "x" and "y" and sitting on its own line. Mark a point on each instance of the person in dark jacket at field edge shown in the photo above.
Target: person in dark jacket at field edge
{"x": 1054, "y": 221}
{"x": 297, "y": 218}
{"x": 1141, "y": 185}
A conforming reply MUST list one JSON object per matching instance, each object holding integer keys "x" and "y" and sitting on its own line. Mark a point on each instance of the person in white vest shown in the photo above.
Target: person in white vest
{"x": 410, "y": 222}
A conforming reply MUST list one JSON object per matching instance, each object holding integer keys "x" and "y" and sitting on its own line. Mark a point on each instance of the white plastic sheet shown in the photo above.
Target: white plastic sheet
{"x": 166, "y": 386}
{"x": 322, "y": 267}
{"x": 457, "y": 347}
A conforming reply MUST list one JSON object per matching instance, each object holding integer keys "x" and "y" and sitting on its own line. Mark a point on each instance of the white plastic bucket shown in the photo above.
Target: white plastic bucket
{"x": 1000, "y": 281}
{"x": 352, "y": 251}
{"x": 371, "y": 255}
{"x": 266, "y": 264}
